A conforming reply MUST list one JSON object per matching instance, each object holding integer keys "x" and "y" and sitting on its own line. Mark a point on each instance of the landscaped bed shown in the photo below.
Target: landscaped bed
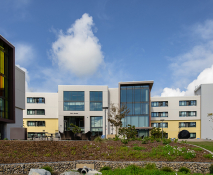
{"x": 109, "y": 150}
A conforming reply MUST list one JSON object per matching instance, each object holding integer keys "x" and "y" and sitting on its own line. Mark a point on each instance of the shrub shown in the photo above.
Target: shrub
{"x": 184, "y": 170}
{"x": 144, "y": 141}
{"x": 166, "y": 169}
{"x": 48, "y": 168}
{"x": 105, "y": 168}
{"x": 129, "y": 132}
{"x": 189, "y": 154}
{"x": 150, "y": 166}
{"x": 5, "y": 138}
{"x": 158, "y": 139}
{"x": 116, "y": 138}
{"x": 138, "y": 148}
{"x": 98, "y": 139}
{"x": 157, "y": 133}
{"x": 166, "y": 141}
{"x": 124, "y": 141}
{"x": 211, "y": 169}
{"x": 85, "y": 147}
{"x": 176, "y": 140}
{"x": 75, "y": 129}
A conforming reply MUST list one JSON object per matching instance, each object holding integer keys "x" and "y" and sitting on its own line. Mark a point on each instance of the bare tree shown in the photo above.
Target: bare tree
{"x": 116, "y": 114}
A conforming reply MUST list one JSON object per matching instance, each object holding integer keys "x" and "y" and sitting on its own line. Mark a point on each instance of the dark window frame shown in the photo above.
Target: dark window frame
{"x": 35, "y": 111}
{"x": 95, "y": 101}
{"x": 160, "y": 103}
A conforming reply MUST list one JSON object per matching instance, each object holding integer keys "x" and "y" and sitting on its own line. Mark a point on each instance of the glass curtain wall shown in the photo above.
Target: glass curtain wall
{"x": 73, "y": 100}
{"x": 96, "y": 124}
{"x": 3, "y": 81}
{"x": 136, "y": 98}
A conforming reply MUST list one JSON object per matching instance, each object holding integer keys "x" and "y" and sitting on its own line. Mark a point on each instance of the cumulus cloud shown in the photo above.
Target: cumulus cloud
{"x": 24, "y": 54}
{"x": 27, "y": 78}
{"x": 205, "y": 77}
{"x": 78, "y": 50}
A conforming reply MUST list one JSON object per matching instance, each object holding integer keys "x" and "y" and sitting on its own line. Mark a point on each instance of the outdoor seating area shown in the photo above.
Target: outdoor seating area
{"x": 69, "y": 135}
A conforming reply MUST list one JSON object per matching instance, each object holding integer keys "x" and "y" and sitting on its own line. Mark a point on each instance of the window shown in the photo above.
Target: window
{"x": 159, "y": 125}
{"x": 35, "y": 123}
{"x": 192, "y": 135}
{"x": 159, "y": 114}
{"x": 187, "y": 124}
{"x": 188, "y": 103}
{"x": 96, "y": 124}
{"x": 187, "y": 113}
{"x": 35, "y": 112}
{"x": 73, "y": 100}
{"x": 31, "y": 134}
{"x": 96, "y": 101}
{"x": 35, "y": 100}
{"x": 159, "y": 104}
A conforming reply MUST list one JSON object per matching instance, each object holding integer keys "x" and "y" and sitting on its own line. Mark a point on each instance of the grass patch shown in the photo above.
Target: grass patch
{"x": 207, "y": 145}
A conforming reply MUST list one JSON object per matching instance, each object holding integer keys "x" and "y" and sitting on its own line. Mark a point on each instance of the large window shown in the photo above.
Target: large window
{"x": 35, "y": 123}
{"x": 136, "y": 99}
{"x": 159, "y": 125}
{"x": 188, "y": 103}
{"x": 159, "y": 104}
{"x": 35, "y": 112}
{"x": 35, "y": 100}
{"x": 3, "y": 82}
{"x": 159, "y": 114}
{"x": 187, "y": 124}
{"x": 96, "y": 124}
{"x": 187, "y": 113}
{"x": 96, "y": 101}
{"x": 73, "y": 100}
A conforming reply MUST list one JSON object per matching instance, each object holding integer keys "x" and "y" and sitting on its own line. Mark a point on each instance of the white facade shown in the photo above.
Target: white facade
{"x": 206, "y": 93}
{"x": 19, "y": 102}
{"x": 86, "y": 113}
{"x": 50, "y": 105}
{"x": 173, "y": 107}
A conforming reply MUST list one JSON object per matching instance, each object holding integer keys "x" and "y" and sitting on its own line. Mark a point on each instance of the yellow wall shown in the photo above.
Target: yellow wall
{"x": 173, "y": 127}
{"x": 51, "y": 125}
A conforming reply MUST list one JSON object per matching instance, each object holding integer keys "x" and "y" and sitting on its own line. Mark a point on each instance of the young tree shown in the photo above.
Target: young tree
{"x": 116, "y": 114}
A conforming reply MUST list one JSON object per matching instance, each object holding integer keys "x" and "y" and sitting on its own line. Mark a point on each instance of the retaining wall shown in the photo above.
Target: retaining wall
{"x": 24, "y": 168}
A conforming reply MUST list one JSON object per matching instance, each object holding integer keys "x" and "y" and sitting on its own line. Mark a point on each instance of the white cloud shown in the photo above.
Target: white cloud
{"x": 27, "y": 78}
{"x": 204, "y": 30}
{"x": 205, "y": 77}
{"x": 24, "y": 54}
{"x": 190, "y": 64}
{"x": 78, "y": 51}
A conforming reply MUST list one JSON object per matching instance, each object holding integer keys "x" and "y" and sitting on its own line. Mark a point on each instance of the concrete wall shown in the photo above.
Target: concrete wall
{"x": 86, "y": 113}
{"x": 206, "y": 91}
{"x": 19, "y": 101}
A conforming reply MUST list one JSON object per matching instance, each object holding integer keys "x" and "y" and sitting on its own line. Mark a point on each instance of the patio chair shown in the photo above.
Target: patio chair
{"x": 93, "y": 137}
{"x": 67, "y": 135}
{"x": 88, "y": 135}
{"x": 84, "y": 136}
{"x": 62, "y": 136}
{"x": 142, "y": 136}
{"x": 72, "y": 135}
{"x": 78, "y": 136}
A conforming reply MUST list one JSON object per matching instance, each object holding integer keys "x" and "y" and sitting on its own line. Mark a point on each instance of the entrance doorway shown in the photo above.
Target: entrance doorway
{"x": 76, "y": 120}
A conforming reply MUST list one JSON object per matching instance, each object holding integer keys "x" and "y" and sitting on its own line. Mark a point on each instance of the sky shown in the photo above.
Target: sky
{"x": 103, "y": 42}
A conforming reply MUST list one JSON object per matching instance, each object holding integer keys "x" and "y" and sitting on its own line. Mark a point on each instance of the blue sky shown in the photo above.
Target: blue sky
{"x": 99, "y": 42}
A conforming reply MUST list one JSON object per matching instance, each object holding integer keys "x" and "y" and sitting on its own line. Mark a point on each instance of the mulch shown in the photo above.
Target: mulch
{"x": 56, "y": 151}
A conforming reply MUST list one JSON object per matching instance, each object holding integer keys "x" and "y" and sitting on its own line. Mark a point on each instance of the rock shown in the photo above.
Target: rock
{"x": 70, "y": 173}
{"x": 93, "y": 172}
{"x": 39, "y": 172}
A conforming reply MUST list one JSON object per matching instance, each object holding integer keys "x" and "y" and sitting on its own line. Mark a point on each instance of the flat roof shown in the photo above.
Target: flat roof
{"x": 150, "y": 82}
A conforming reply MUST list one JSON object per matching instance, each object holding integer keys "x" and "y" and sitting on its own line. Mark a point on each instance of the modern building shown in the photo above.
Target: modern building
{"x": 12, "y": 90}
{"x": 82, "y": 106}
